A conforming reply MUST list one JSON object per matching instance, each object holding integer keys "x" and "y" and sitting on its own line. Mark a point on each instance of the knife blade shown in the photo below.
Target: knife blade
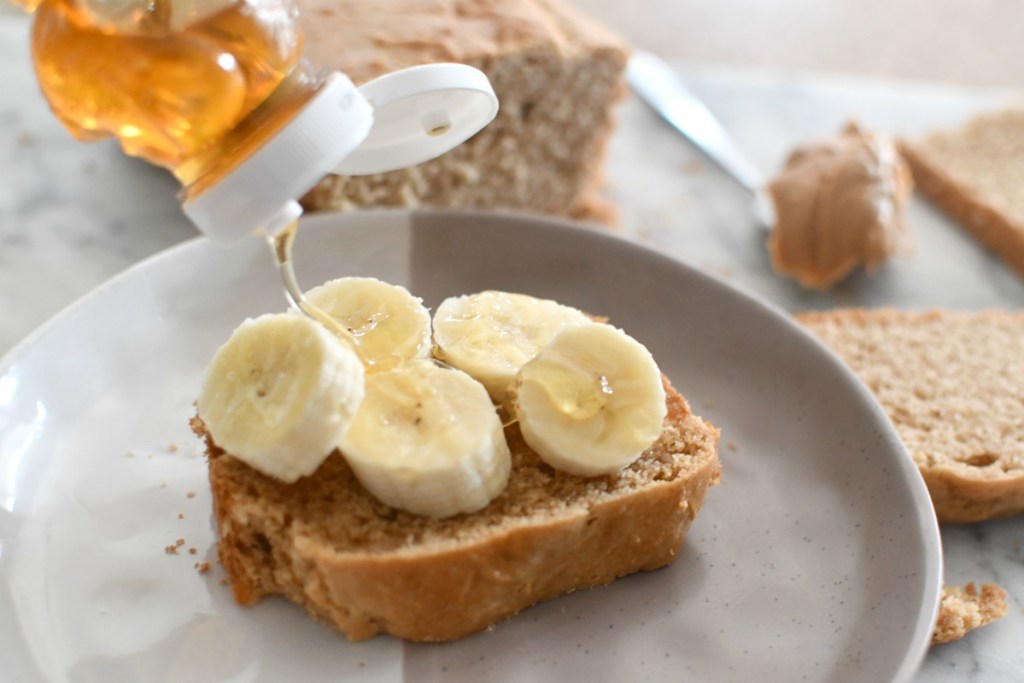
{"x": 657, "y": 83}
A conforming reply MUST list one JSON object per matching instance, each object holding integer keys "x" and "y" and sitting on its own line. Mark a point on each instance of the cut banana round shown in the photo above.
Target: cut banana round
{"x": 388, "y": 323}
{"x": 591, "y": 401}
{"x": 490, "y": 335}
{"x": 426, "y": 439}
{"x": 280, "y": 394}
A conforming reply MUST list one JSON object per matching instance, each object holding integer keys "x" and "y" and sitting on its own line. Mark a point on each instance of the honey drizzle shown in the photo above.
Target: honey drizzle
{"x": 281, "y": 247}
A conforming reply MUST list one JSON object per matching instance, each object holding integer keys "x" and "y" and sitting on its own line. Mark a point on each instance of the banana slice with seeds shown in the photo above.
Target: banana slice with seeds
{"x": 388, "y": 323}
{"x": 280, "y": 394}
{"x": 427, "y": 439}
{"x": 591, "y": 400}
{"x": 490, "y": 335}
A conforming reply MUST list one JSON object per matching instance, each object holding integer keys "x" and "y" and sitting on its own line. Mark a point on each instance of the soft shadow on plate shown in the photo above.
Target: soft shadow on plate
{"x": 817, "y": 558}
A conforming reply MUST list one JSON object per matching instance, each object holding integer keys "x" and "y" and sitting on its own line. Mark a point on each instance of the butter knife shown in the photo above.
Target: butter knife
{"x": 657, "y": 83}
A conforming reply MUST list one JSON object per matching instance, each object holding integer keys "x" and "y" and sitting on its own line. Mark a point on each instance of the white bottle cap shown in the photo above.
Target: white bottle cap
{"x": 419, "y": 114}
{"x": 395, "y": 121}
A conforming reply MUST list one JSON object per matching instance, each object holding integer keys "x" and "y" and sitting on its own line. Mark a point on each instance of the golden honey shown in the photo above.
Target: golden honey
{"x": 190, "y": 85}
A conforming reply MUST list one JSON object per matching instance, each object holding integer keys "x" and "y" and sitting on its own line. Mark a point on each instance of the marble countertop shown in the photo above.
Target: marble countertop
{"x": 969, "y": 43}
{"x": 72, "y": 215}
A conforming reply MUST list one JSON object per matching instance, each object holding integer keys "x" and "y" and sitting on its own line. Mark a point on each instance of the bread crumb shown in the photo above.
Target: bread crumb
{"x": 130, "y": 454}
{"x": 202, "y": 567}
{"x": 193, "y": 551}
{"x": 692, "y": 166}
{"x": 965, "y": 609}
{"x": 190, "y": 494}
{"x": 181, "y": 515}
{"x": 174, "y": 448}
{"x": 731, "y": 445}
{"x": 172, "y": 549}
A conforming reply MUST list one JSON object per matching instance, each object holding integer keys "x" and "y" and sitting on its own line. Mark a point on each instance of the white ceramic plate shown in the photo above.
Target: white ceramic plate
{"x": 816, "y": 559}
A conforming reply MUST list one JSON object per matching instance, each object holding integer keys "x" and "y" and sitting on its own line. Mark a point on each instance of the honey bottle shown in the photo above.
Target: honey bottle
{"x": 217, "y": 92}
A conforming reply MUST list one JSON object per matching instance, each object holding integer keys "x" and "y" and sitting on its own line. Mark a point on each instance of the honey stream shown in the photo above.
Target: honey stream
{"x": 281, "y": 247}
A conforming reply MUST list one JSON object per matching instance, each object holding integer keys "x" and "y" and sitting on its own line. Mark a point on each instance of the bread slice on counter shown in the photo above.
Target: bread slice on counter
{"x": 557, "y": 75}
{"x": 366, "y": 568}
{"x": 953, "y": 385}
{"x": 976, "y": 175}
{"x": 965, "y": 609}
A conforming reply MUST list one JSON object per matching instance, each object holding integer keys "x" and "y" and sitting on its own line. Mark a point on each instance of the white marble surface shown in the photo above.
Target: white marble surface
{"x": 72, "y": 215}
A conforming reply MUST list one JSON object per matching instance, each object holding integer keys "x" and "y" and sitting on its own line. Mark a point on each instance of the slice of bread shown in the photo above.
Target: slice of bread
{"x": 557, "y": 73}
{"x": 953, "y": 385}
{"x": 976, "y": 175}
{"x": 965, "y": 609}
{"x": 365, "y": 568}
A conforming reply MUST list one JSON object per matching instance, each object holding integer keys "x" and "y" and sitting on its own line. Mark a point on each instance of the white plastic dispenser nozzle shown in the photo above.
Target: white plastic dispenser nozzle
{"x": 396, "y": 121}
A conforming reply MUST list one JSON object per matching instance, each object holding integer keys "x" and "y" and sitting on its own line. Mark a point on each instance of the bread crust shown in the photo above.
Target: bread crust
{"x": 964, "y": 486}
{"x": 444, "y": 590}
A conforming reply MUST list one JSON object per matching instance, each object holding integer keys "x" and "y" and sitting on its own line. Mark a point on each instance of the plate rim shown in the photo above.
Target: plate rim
{"x": 927, "y": 523}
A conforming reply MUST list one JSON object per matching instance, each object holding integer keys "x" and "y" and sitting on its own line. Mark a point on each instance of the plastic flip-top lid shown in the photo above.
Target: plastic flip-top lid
{"x": 393, "y": 122}
{"x": 260, "y": 193}
{"x": 419, "y": 114}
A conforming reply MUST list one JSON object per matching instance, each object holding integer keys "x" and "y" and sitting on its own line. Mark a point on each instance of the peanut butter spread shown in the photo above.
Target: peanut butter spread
{"x": 839, "y": 204}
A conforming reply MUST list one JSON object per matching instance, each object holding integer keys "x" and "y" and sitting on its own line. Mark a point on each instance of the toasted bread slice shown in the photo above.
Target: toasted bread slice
{"x": 953, "y": 385}
{"x": 976, "y": 175}
{"x": 365, "y": 568}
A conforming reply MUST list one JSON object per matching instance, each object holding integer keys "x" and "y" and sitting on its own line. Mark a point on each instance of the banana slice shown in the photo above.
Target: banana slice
{"x": 388, "y": 323}
{"x": 490, "y": 335}
{"x": 280, "y": 394}
{"x": 427, "y": 439}
{"x": 591, "y": 401}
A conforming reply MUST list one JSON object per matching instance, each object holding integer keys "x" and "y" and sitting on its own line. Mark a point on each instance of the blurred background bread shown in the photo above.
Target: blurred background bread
{"x": 975, "y": 173}
{"x": 557, "y": 74}
{"x": 953, "y": 385}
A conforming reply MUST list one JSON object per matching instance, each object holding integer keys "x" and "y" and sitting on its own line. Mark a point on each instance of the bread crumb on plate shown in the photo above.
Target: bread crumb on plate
{"x": 964, "y": 609}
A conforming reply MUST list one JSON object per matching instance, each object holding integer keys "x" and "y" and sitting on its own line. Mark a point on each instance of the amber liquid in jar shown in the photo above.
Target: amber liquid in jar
{"x": 190, "y": 85}
{"x": 194, "y": 86}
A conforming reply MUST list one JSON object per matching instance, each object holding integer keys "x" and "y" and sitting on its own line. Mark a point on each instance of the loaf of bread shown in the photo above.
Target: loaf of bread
{"x": 953, "y": 385}
{"x": 365, "y": 568}
{"x": 976, "y": 175}
{"x": 557, "y": 75}
{"x": 965, "y": 609}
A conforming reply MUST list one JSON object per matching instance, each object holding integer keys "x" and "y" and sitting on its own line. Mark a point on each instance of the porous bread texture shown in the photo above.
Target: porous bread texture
{"x": 365, "y": 568}
{"x": 953, "y": 385}
{"x": 965, "y": 609}
{"x": 557, "y": 75}
{"x": 976, "y": 174}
